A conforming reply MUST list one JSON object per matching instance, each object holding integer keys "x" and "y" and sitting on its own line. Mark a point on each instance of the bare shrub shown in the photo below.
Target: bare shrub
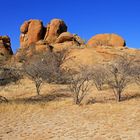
{"x": 9, "y": 74}
{"x": 137, "y": 75}
{"x": 37, "y": 71}
{"x": 58, "y": 59}
{"x": 98, "y": 76}
{"x": 46, "y": 67}
{"x": 79, "y": 83}
{"x": 136, "y": 71}
{"x": 120, "y": 74}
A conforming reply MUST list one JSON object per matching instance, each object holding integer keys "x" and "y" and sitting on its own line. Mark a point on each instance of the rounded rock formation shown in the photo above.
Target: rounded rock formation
{"x": 35, "y": 31}
{"x": 24, "y": 27}
{"x": 54, "y": 29}
{"x": 35, "y": 37}
{"x": 5, "y": 46}
{"x": 106, "y": 40}
{"x": 65, "y": 36}
{"x": 31, "y": 32}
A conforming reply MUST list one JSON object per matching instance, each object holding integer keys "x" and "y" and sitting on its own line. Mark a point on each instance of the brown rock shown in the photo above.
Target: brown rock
{"x": 31, "y": 32}
{"x": 64, "y": 45}
{"x": 67, "y": 40}
{"x": 54, "y": 29}
{"x": 35, "y": 31}
{"x": 79, "y": 39}
{"x": 5, "y": 46}
{"x": 106, "y": 40}
{"x": 67, "y": 45}
{"x": 42, "y": 46}
{"x": 24, "y": 27}
{"x": 39, "y": 47}
{"x": 23, "y": 40}
{"x": 66, "y": 36}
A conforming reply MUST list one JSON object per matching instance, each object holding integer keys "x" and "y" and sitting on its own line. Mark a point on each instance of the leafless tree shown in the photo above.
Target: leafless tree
{"x": 9, "y": 74}
{"x": 98, "y": 76}
{"x": 46, "y": 67}
{"x": 137, "y": 75}
{"x": 56, "y": 64}
{"x": 136, "y": 71}
{"x": 79, "y": 83}
{"x": 37, "y": 71}
{"x": 120, "y": 74}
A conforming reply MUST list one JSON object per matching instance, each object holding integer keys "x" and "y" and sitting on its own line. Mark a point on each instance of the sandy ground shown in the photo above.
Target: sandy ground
{"x": 57, "y": 118}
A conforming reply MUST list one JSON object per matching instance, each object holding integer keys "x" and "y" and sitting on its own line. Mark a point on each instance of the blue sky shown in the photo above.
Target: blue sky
{"x": 84, "y": 17}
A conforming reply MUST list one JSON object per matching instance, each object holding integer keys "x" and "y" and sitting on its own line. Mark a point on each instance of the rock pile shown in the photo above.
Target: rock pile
{"x": 54, "y": 34}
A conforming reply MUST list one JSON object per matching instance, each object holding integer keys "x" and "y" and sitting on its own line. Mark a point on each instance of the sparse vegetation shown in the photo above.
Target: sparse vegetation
{"x": 136, "y": 71}
{"x": 120, "y": 74}
{"x": 46, "y": 68}
{"x": 99, "y": 76}
{"x": 9, "y": 74}
{"x": 79, "y": 83}
{"x": 64, "y": 84}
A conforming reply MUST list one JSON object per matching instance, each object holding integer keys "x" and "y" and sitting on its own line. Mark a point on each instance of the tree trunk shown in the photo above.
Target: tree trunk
{"x": 76, "y": 99}
{"x": 118, "y": 96}
{"x": 38, "y": 90}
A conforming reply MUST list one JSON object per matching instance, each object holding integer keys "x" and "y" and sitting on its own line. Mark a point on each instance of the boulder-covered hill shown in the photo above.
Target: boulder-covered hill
{"x": 37, "y": 38}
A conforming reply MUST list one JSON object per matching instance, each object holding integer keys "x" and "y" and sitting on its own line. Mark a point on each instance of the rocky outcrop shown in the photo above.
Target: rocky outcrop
{"x": 55, "y": 34}
{"x": 106, "y": 40}
{"x": 31, "y": 32}
{"x": 38, "y": 48}
{"x": 54, "y": 29}
{"x": 68, "y": 40}
{"x": 24, "y": 27}
{"x": 42, "y": 46}
{"x": 35, "y": 38}
{"x": 5, "y": 46}
{"x": 66, "y": 36}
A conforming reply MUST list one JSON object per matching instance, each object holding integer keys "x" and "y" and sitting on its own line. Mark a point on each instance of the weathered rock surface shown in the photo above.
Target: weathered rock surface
{"x": 31, "y": 32}
{"x": 79, "y": 39}
{"x": 35, "y": 38}
{"x": 24, "y": 27}
{"x": 106, "y": 40}
{"x": 42, "y": 46}
{"x": 66, "y": 36}
{"x": 38, "y": 48}
{"x": 54, "y": 29}
{"x": 55, "y": 34}
{"x": 5, "y": 46}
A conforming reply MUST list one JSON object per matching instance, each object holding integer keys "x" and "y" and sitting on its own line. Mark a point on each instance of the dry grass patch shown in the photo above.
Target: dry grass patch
{"x": 59, "y": 118}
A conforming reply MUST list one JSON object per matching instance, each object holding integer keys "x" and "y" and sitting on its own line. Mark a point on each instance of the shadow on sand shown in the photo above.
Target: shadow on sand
{"x": 54, "y": 95}
{"x": 129, "y": 97}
